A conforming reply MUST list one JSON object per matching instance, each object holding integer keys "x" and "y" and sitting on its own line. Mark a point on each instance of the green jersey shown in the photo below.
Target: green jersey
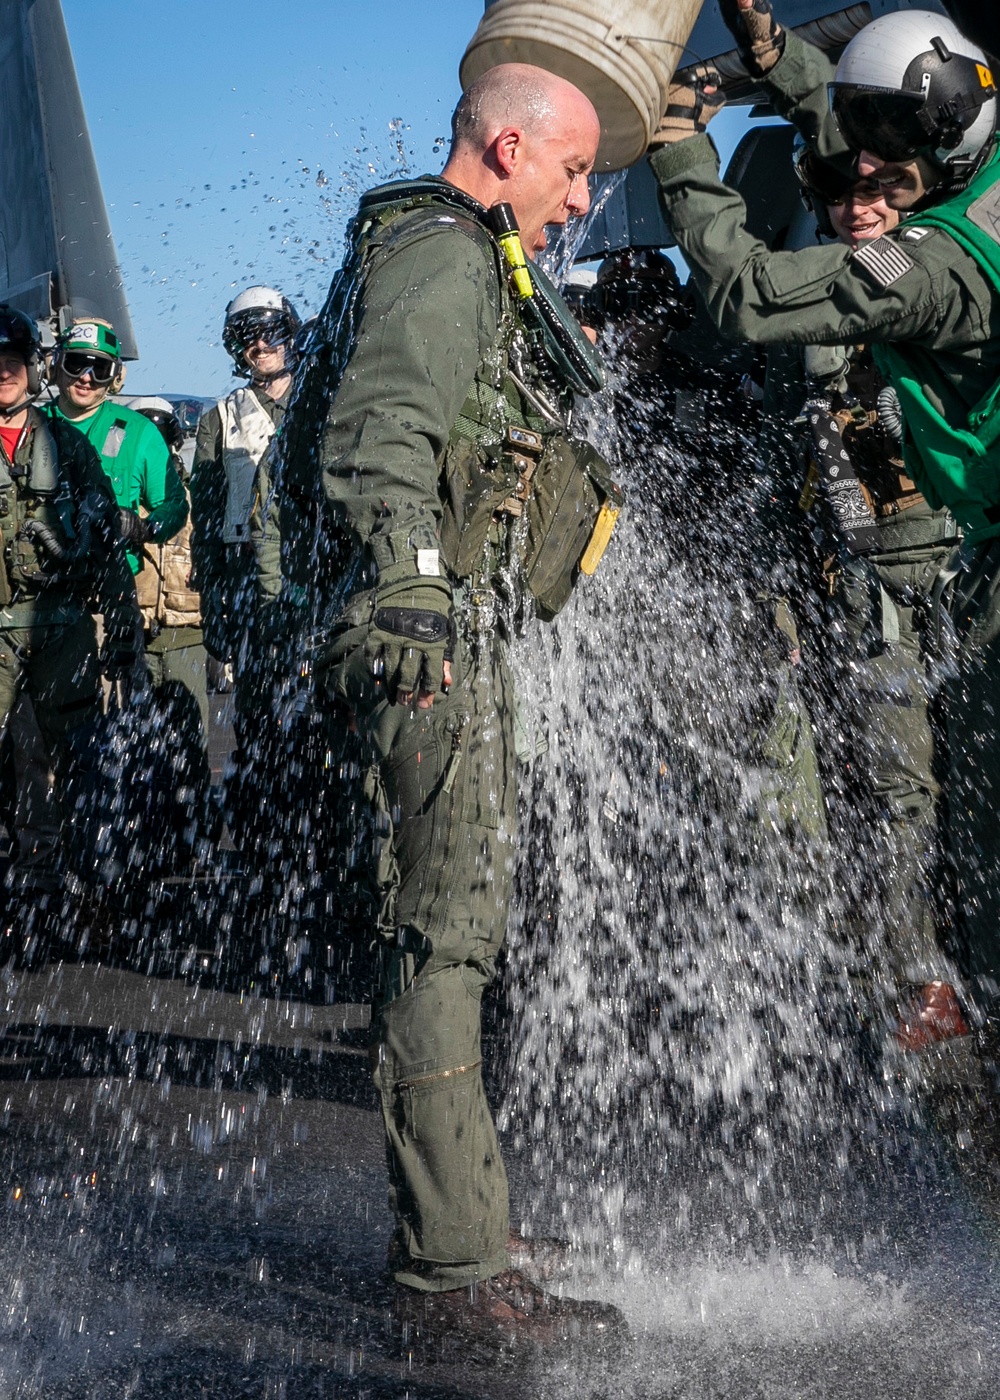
{"x": 138, "y": 464}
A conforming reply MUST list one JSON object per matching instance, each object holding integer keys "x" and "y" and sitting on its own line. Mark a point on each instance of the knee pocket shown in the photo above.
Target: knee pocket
{"x": 432, "y": 1029}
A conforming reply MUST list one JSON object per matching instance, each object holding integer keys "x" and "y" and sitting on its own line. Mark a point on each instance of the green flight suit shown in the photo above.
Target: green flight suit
{"x": 412, "y": 468}
{"x": 879, "y": 608}
{"x": 912, "y": 288}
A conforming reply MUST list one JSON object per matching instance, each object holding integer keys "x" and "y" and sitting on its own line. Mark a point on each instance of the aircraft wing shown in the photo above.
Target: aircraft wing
{"x": 57, "y": 256}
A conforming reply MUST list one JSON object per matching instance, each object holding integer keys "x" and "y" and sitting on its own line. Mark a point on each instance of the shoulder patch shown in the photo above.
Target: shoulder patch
{"x": 914, "y": 235}
{"x": 984, "y": 212}
{"x": 884, "y": 259}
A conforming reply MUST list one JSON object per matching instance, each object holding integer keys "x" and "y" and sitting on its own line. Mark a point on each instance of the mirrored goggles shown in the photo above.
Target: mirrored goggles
{"x": 268, "y": 332}
{"x": 884, "y": 122}
{"x": 77, "y": 363}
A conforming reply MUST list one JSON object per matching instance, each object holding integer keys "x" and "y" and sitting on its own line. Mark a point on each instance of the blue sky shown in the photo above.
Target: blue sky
{"x": 233, "y": 140}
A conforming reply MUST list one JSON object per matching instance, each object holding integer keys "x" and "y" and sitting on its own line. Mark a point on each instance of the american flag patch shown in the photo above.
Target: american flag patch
{"x": 884, "y": 259}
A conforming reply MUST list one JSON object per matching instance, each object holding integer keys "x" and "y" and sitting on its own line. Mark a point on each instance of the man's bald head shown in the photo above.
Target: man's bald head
{"x": 518, "y": 95}
{"x": 527, "y": 138}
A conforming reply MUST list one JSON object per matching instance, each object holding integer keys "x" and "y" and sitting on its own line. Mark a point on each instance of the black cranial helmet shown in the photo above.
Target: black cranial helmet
{"x": 823, "y": 185}
{"x": 19, "y": 335}
{"x": 641, "y": 282}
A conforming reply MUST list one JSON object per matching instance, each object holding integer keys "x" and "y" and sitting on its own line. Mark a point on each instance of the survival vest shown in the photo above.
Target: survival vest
{"x": 954, "y": 456}
{"x": 247, "y": 431}
{"x": 166, "y": 598}
{"x": 41, "y": 545}
{"x": 509, "y": 457}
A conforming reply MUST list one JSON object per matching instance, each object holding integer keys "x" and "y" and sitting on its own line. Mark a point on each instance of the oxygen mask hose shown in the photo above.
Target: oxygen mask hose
{"x": 508, "y": 235}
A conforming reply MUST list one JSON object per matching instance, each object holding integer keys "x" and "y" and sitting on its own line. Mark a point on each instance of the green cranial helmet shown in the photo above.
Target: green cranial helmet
{"x": 92, "y": 336}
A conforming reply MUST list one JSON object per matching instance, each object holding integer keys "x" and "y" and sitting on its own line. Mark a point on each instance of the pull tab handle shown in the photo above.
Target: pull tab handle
{"x": 508, "y": 235}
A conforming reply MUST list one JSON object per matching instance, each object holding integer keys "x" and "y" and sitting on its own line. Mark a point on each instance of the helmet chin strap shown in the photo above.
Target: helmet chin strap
{"x": 952, "y": 180}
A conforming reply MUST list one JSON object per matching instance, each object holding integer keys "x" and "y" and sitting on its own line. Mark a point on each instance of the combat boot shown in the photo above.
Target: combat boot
{"x": 503, "y": 1315}
{"x": 541, "y": 1257}
{"x": 930, "y": 1016}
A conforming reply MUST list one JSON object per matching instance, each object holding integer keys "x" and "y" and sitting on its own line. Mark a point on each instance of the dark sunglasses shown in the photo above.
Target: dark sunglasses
{"x": 77, "y": 363}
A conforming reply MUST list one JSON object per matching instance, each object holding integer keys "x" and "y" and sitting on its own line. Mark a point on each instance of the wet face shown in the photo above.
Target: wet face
{"x": 862, "y": 215}
{"x": 547, "y": 172}
{"x": 13, "y": 380}
{"x": 266, "y": 361}
{"x": 80, "y": 394}
{"x": 902, "y": 183}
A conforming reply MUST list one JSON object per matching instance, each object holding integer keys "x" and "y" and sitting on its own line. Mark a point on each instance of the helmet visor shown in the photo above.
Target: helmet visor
{"x": 885, "y": 122}
{"x": 270, "y": 327}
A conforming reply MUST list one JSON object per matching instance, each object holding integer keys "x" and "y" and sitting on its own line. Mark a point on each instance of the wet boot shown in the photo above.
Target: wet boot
{"x": 541, "y": 1257}
{"x": 504, "y": 1315}
{"x": 929, "y": 1016}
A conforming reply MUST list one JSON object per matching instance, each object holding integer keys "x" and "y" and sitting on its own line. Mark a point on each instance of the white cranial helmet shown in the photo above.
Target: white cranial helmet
{"x": 911, "y": 84}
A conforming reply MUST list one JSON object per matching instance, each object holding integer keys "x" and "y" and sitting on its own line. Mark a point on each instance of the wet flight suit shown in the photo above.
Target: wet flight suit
{"x": 59, "y": 525}
{"x": 935, "y": 299}
{"x": 424, "y": 472}
{"x": 177, "y": 666}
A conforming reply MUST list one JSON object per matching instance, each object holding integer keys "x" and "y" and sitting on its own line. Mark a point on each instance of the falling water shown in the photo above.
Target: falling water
{"x": 697, "y": 1085}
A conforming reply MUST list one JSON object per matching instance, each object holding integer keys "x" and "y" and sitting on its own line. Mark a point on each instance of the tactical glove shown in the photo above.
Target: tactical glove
{"x": 393, "y": 642}
{"x": 693, "y": 99}
{"x": 135, "y": 531}
{"x": 218, "y": 675}
{"x": 121, "y": 652}
{"x": 759, "y": 37}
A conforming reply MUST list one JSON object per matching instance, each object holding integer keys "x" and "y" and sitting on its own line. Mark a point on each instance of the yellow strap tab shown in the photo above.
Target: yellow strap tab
{"x": 514, "y": 253}
{"x": 600, "y": 539}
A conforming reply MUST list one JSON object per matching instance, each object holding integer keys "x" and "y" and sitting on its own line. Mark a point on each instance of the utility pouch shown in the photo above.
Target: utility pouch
{"x": 570, "y": 514}
{"x": 43, "y": 469}
{"x": 480, "y": 484}
{"x": 29, "y": 562}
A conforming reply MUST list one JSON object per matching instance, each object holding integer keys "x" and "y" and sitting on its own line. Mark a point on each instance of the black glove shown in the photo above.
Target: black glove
{"x": 759, "y": 37}
{"x": 217, "y": 642}
{"x": 135, "y": 531}
{"x": 392, "y": 643}
{"x": 120, "y": 657}
{"x": 693, "y": 99}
